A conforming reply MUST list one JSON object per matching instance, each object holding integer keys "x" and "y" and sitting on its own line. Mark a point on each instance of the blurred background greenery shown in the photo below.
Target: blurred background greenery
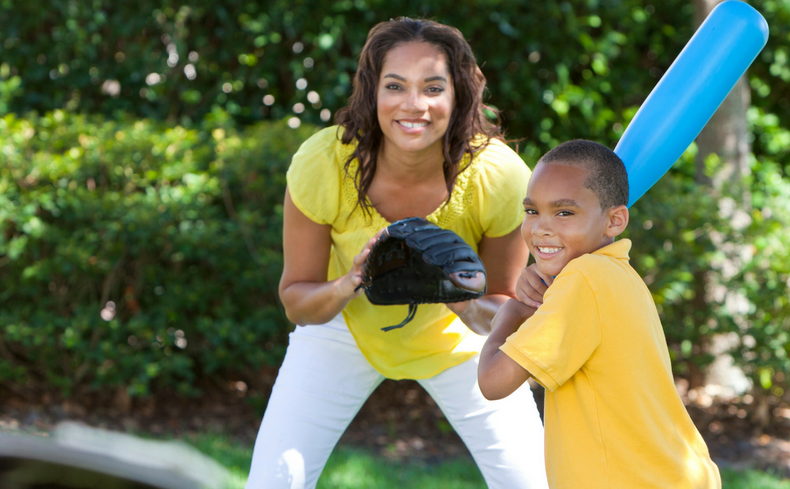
{"x": 144, "y": 148}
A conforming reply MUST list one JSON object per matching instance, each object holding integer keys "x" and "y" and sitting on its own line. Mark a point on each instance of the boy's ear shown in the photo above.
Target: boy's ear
{"x": 618, "y": 220}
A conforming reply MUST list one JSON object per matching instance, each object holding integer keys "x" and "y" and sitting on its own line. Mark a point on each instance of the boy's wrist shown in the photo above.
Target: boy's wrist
{"x": 511, "y": 316}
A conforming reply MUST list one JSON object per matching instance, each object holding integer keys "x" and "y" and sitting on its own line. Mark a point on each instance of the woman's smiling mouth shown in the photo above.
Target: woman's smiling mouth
{"x": 412, "y": 125}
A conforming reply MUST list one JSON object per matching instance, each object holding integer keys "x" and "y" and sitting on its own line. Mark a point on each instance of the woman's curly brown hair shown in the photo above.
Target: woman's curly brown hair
{"x": 468, "y": 132}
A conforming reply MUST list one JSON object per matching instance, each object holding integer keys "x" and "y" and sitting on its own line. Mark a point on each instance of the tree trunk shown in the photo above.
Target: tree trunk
{"x": 725, "y": 134}
{"x": 722, "y": 162}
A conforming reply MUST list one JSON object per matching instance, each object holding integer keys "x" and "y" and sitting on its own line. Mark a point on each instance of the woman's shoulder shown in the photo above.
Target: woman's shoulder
{"x": 497, "y": 153}
{"x": 326, "y": 143}
{"x": 499, "y": 164}
{"x": 322, "y": 152}
{"x": 315, "y": 176}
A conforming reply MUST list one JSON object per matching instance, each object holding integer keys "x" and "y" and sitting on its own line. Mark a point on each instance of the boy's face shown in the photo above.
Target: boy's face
{"x": 564, "y": 219}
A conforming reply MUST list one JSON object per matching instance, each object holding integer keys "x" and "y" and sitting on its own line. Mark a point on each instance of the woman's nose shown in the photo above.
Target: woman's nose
{"x": 416, "y": 101}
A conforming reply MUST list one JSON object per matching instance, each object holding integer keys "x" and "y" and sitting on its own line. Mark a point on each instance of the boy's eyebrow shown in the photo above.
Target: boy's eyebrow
{"x": 556, "y": 203}
{"x": 565, "y": 203}
{"x": 427, "y": 80}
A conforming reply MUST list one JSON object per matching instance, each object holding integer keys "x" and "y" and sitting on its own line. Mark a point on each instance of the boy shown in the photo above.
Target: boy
{"x": 613, "y": 417}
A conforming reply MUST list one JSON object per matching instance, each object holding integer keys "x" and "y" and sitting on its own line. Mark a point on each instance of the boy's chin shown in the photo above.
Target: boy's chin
{"x": 550, "y": 270}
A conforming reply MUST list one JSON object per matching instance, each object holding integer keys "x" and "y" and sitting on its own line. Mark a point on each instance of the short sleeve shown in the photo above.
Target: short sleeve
{"x": 503, "y": 184}
{"x": 562, "y": 334}
{"x": 314, "y": 177}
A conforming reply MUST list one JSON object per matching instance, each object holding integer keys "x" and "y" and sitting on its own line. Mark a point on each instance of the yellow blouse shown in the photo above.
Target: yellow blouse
{"x": 486, "y": 201}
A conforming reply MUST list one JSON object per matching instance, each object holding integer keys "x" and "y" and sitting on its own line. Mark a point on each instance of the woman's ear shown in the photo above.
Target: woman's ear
{"x": 618, "y": 220}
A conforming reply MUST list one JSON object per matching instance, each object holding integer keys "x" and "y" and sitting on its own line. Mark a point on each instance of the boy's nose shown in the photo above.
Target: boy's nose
{"x": 541, "y": 228}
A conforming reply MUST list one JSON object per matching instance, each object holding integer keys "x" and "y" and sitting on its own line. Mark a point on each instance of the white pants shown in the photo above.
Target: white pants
{"x": 325, "y": 380}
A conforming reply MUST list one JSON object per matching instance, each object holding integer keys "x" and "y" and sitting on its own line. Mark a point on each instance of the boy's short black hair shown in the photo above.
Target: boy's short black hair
{"x": 607, "y": 176}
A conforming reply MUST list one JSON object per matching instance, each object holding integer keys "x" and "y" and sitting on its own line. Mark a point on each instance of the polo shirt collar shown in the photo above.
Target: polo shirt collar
{"x": 619, "y": 249}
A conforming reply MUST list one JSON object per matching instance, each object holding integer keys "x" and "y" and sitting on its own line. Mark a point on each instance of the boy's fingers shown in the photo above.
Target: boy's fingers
{"x": 525, "y": 299}
{"x": 527, "y": 292}
{"x": 530, "y": 278}
{"x": 547, "y": 279}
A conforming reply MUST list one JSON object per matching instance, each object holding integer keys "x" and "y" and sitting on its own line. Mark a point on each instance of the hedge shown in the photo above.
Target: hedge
{"x": 141, "y": 255}
{"x": 134, "y": 253}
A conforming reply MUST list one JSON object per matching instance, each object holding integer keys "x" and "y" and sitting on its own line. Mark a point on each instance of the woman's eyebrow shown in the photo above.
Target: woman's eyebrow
{"x": 427, "y": 80}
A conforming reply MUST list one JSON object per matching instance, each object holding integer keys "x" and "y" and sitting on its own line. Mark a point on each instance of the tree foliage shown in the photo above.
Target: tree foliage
{"x": 144, "y": 147}
{"x": 137, "y": 253}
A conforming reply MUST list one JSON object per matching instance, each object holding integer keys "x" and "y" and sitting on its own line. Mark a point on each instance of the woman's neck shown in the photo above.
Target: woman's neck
{"x": 411, "y": 167}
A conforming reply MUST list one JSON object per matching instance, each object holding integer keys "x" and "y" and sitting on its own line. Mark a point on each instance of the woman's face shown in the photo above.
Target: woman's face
{"x": 415, "y": 98}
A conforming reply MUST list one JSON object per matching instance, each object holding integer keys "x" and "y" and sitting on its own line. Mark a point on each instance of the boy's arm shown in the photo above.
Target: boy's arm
{"x": 497, "y": 374}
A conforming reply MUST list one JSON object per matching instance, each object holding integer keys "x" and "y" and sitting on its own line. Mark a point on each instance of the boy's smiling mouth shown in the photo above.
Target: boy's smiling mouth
{"x": 548, "y": 250}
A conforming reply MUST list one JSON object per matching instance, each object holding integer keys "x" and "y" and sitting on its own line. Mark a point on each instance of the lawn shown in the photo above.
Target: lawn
{"x": 356, "y": 469}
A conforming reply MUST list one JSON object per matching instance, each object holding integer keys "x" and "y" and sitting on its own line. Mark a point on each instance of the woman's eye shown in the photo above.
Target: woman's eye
{"x": 436, "y": 89}
{"x": 393, "y": 87}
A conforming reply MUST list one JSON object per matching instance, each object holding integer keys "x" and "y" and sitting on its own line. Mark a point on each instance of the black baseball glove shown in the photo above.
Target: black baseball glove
{"x": 417, "y": 262}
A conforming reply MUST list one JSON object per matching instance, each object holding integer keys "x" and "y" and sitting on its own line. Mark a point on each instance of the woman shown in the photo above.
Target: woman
{"x": 413, "y": 141}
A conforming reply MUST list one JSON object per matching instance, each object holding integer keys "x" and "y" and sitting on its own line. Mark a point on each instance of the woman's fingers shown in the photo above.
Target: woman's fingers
{"x": 354, "y": 276}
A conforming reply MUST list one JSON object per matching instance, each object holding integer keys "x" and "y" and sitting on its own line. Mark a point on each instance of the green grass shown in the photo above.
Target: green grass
{"x": 351, "y": 469}
{"x": 751, "y": 479}
{"x": 356, "y": 469}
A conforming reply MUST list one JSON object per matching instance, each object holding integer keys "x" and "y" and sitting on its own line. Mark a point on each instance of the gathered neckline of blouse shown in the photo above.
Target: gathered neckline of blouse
{"x": 442, "y": 216}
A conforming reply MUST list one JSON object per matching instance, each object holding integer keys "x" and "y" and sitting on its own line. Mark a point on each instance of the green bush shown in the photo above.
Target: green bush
{"x": 557, "y": 70}
{"x": 133, "y": 253}
{"x": 138, "y": 254}
{"x": 178, "y": 223}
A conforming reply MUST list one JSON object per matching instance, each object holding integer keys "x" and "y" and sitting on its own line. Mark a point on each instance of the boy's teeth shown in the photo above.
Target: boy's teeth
{"x": 413, "y": 124}
{"x": 548, "y": 250}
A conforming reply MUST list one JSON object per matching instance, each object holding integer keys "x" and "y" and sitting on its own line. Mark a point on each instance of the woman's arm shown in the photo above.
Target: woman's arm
{"x": 498, "y": 375}
{"x": 304, "y": 291}
{"x": 504, "y": 258}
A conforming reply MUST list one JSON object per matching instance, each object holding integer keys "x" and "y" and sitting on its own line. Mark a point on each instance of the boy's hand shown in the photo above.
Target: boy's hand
{"x": 531, "y": 286}
{"x": 498, "y": 375}
{"x": 511, "y": 315}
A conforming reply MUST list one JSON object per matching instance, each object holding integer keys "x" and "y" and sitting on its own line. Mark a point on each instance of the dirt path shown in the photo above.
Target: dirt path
{"x": 399, "y": 421}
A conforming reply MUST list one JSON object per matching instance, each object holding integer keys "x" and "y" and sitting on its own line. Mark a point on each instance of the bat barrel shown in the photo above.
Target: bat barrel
{"x": 689, "y": 93}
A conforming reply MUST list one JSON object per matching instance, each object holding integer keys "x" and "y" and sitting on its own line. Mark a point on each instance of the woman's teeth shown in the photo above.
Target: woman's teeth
{"x": 413, "y": 124}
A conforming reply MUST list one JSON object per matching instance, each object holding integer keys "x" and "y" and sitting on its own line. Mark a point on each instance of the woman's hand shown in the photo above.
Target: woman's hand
{"x": 347, "y": 285}
{"x": 306, "y": 294}
{"x": 531, "y": 286}
{"x": 459, "y": 308}
{"x": 503, "y": 258}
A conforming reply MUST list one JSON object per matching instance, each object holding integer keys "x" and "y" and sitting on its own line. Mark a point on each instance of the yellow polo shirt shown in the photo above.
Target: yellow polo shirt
{"x": 486, "y": 201}
{"x": 613, "y": 418}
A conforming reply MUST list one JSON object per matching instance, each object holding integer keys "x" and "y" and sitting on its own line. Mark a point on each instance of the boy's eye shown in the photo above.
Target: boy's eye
{"x": 565, "y": 213}
{"x": 531, "y": 212}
